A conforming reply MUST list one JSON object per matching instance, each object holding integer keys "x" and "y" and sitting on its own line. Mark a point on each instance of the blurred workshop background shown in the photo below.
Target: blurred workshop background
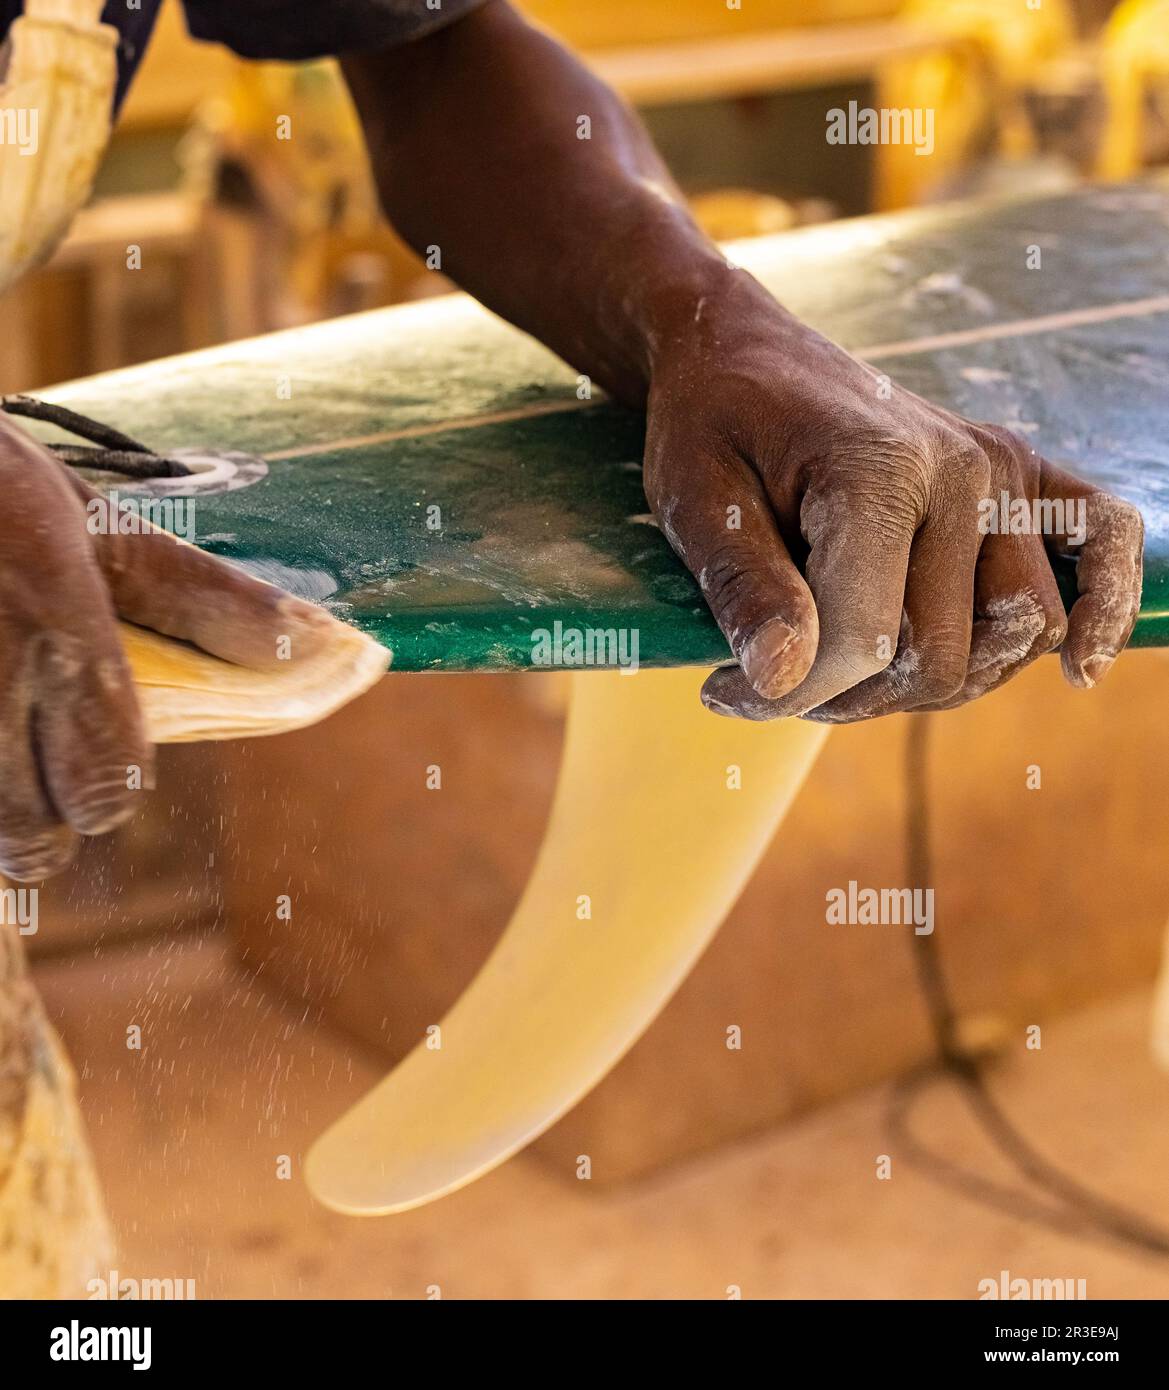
{"x": 712, "y": 1170}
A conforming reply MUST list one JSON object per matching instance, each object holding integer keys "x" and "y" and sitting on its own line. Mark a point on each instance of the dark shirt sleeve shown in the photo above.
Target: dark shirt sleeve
{"x": 297, "y": 29}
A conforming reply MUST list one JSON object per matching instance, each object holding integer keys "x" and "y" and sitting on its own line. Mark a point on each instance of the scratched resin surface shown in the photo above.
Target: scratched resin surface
{"x": 370, "y": 423}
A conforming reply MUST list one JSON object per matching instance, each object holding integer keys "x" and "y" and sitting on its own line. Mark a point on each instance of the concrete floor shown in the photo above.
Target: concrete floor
{"x": 187, "y": 1135}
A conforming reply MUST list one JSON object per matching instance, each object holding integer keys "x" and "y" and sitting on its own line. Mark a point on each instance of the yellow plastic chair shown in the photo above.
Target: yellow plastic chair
{"x": 974, "y": 82}
{"x": 1135, "y": 58}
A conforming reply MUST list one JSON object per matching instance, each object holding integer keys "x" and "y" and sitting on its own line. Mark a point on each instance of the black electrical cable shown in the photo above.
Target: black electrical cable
{"x": 1071, "y": 1208}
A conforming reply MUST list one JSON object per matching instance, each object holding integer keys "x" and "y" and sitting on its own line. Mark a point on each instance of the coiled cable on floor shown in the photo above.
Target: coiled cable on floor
{"x": 1066, "y": 1205}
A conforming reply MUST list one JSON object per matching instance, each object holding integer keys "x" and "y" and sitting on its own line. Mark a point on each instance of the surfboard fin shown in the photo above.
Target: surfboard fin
{"x": 661, "y": 813}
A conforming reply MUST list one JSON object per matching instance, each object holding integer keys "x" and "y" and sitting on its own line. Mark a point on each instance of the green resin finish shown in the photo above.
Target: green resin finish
{"x": 435, "y": 479}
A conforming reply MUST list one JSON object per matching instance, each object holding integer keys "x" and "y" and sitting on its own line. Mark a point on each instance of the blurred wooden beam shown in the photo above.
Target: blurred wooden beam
{"x": 753, "y": 63}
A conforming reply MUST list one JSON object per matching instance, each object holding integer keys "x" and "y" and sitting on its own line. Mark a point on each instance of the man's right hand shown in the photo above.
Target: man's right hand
{"x": 71, "y": 734}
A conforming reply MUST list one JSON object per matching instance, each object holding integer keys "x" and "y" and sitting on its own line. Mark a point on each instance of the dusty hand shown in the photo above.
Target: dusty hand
{"x": 71, "y": 731}
{"x": 773, "y": 455}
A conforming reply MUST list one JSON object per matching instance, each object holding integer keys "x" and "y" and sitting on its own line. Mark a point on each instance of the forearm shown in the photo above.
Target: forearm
{"x": 586, "y": 243}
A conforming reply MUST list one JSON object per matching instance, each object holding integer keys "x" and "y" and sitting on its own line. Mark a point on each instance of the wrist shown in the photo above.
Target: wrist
{"x": 712, "y": 312}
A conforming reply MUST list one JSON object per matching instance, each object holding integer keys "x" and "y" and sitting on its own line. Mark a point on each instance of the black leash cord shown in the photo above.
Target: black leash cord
{"x": 109, "y": 450}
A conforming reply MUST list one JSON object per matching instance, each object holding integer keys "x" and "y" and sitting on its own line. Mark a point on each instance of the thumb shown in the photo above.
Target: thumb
{"x": 717, "y": 517}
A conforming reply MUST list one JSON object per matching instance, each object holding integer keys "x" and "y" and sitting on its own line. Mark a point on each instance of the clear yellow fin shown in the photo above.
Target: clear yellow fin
{"x": 652, "y": 839}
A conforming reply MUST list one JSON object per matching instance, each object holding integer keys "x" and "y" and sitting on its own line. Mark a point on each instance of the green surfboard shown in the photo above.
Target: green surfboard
{"x": 435, "y": 478}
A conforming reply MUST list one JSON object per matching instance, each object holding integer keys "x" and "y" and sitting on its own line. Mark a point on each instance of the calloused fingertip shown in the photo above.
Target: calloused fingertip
{"x": 1073, "y": 672}
{"x": 1089, "y": 672}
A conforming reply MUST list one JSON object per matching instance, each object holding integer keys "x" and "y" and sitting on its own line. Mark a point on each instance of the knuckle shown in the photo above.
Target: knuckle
{"x": 724, "y": 578}
{"x": 941, "y": 677}
{"x": 906, "y": 453}
{"x": 990, "y": 434}
{"x": 1022, "y": 612}
{"x": 968, "y": 467}
{"x": 863, "y": 659}
{"x": 1119, "y": 516}
{"x": 997, "y": 439}
{"x": 881, "y": 507}
{"x": 1053, "y": 632}
{"x": 1030, "y": 625}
